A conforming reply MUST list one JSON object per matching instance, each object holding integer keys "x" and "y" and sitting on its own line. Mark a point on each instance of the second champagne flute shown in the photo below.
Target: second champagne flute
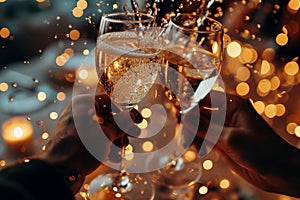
{"x": 195, "y": 51}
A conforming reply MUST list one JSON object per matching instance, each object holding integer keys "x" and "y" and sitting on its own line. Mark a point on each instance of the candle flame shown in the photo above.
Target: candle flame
{"x": 18, "y": 132}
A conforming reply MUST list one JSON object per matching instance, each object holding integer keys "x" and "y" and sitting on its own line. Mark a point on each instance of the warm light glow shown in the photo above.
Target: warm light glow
{"x": 53, "y": 115}
{"x": 264, "y": 86}
{"x": 234, "y": 49}
{"x": 248, "y": 55}
{"x": 189, "y": 156}
{"x": 74, "y": 34}
{"x": 143, "y": 124}
{"x": 18, "y": 132}
{"x": 3, "y": 87}
{"x": 242, "y": 89}
{"x": 297, "y": 131}
{"x": 146, "y": 113}
{"x": 41, "y": 96}
{"x": 86, "y": 186}
{"x": 77, "y": 12}
{"x": 2, "y": 1}
{"x": 208, "y": 164}
{"x": 60, "y": 60}
{"x": 294, "y": 5}
{"x": 69, "y": 51}
{"x": 215, "y": 47}
{"x": 224, "y": 184}
{"x": 2, "y": 163}
{"x": 85, "y": 52}
{"x": 118, "y": 195}
{"x": 243, "y": 73}
{"x": 115, "y": 6}
{"x": 70, "y": 77}
{"x": 280, "y": 108}
{"x": 83, "y": 74}
{"x": 270, "y": 111}
{"x": 290, "y": 127}
{"x": 259, "y": 106}
{"x": 147, "y": 146}
{"x": 61, "y": 96}
{"x": 203, "y": 190}
{"x": 45, "y": 136}
{"x": 265, "y": 67}
{"x": 129, "y": 155}
{"x": 282, "y": 39}
{"x": 275, "y": 83}
{"x": 291, "y": 68}
{"x": 66, "y": 56}
{"x": 82, "y": 4}
{"x": 4, "y": 32}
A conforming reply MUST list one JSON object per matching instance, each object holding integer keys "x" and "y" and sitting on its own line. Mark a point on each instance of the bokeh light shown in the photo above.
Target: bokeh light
{"x": 82, "y": 4}
{"x": 294, "y": 5}
{"x": 234, "y": 49}
{"x": 259, "y": 107}
{"x": 291, "y": 68}
{"x": 282, "y": 39}
{"x": 3, "y": 87}
{"x": 203, "y": 190}
{"x": 290, "y": 127}
{"x": 242, "y": 89}
{"x": 4, "y": 32}
{"x": 207, "y": 164}
{"x": 147, "y": 146}
{"x": 41, "y": 96}
{"x": 270, "y": 111}
{"x": 77, "y": 12}
{"x": 74, "y": 34}
{"x": 53, "y": 115}
{"x": 224, "y": 184}
{"x": 61, "y": 96}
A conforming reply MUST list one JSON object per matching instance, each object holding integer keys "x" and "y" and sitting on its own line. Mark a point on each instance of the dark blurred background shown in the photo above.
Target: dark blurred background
{"x": 48, "y": 40}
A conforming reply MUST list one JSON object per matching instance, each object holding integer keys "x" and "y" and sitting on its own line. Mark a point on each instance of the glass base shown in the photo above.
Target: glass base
{"x": 121, "y": 186}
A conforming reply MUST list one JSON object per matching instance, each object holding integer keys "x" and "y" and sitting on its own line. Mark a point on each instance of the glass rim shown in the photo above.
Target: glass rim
{"x": 220, "y": 25}
{"x": 108, "y": 16}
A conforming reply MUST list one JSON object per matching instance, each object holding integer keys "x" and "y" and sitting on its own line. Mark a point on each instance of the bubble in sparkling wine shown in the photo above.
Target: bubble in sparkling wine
{"x": 134, "y": 84}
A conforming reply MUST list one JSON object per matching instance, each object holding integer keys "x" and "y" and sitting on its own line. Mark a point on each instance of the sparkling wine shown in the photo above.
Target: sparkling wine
{"x": 203, "y": 11}
{"x": 130, "y": 71}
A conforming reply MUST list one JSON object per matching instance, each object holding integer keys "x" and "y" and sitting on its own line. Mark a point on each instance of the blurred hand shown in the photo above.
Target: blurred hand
{"x": 250, "y": 146}
{"x": 65, "y": 148}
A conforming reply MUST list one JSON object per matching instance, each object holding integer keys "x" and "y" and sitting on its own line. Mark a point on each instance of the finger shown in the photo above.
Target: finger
{"x": 94, "y": 123}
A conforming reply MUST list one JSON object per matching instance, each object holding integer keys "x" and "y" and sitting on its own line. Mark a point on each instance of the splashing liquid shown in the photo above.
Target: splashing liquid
{"x": 203, "y": 11}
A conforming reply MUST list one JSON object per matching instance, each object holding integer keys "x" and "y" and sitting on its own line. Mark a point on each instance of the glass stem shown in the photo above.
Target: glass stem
{"x": 122, "y": 182}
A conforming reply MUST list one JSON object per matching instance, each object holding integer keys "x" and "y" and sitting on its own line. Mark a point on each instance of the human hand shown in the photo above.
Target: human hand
{"x": 65, "y": 147}
{"x": 250, "y": 146}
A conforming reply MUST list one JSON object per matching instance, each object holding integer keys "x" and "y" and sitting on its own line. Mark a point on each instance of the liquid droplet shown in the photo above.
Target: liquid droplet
{"x": 11, "y": 98}
{"x": 14, "y": 84}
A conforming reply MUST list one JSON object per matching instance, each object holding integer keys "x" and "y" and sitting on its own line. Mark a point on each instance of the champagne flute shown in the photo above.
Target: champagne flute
{"x": 195, "y": 51}
{"x": 121, "y": 45}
